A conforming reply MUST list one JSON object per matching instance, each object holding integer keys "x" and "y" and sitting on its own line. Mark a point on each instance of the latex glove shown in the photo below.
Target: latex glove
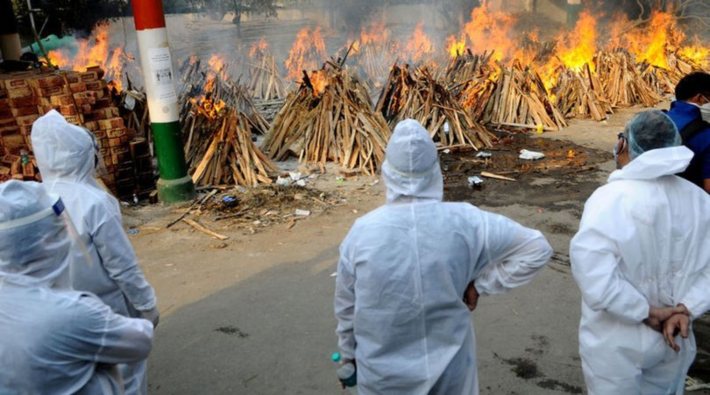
{"x": 152, "y": 315}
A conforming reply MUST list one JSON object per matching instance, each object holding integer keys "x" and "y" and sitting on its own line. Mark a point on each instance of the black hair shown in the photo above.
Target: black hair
{"x": 692, "y": 85}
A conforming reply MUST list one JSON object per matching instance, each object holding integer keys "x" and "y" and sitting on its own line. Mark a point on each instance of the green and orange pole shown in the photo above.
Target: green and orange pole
{"x": 174, "y": 184}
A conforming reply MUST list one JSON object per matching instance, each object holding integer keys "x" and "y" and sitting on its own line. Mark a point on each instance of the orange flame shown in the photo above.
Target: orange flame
{"x": 490, "y": 30}
{"x": 455, "y": 46}
{"x": 376, "y": 34}
{"x": 93, "y": 51}
{"x": 696, "y": 54}
{"x": 319, "y": 80}
{"x": 577, "y": 48}
{"x": 259, "y": 48}
{"x": 419, "y": 45}
{"x": 306, "y": 53}
{"x": 651, "y": 47}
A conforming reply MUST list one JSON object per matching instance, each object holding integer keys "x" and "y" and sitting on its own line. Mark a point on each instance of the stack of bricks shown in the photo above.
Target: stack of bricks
{"x": 83, "y": 99}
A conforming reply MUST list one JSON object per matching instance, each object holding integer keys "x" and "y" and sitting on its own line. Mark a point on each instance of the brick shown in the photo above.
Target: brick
{"x": 50, "y": 81}
{"x": 26, "y": 120}
{"x": 53, "y": 91}
{"x": 68, "y": 110}
{"x": 115, "y": 133}
{"x": 113, "y": 123}
{"x": 77, "y": 87}
{"x": 24, "y": 101}
{"x": 23, "y": 111}
{"x": 19, "y": 92}
{"x": 61, "y": 100}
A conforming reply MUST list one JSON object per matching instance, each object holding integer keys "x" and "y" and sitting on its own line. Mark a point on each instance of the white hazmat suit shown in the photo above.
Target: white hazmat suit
{"x": 66, "y": 157}
{"x": 403, "y": 271}
{"x": 54, "y": 340}
{"x": 643, "y": 240}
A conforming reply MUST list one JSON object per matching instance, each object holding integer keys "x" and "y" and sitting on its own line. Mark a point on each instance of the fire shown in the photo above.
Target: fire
{"x": 307, "y": 52}
{"x": 455, "y": 46}
{"x": 93, "y": 51}
{"x": 216, "y": 63}
{"x": 696, "y": 54}
{"x": 490, "y": 30}
{"x": 651, "y": 47}
{"x": 319, "y": 80}
{"x": 209, "y": 107}
{"x": 577, "y": 48}
{"x": 419, "y": 45}
{"x": 375, "y": 34}
{"x": 259, "y": 48}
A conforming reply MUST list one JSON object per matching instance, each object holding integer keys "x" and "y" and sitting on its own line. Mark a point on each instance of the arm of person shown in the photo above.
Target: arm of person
{"x": 595, "y": 263}
{"x": 345, "y": 307}
{"x": 119, "y": 260}
{"x": 512, "y": 255}
{"x": 97, "y": 334}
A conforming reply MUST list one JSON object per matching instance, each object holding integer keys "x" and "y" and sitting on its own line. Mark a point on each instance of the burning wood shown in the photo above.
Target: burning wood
{"x": 329, "y": 118}
{"x": 581, "y": 94}
{"x": 419, "y": 96}
{"x": 265, "y": 82}
{"x": 521, "y": 100}
{"x": 623, "y": 83}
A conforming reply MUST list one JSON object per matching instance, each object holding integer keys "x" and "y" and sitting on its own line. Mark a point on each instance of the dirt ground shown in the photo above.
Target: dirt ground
{"x": 253, "y": 314}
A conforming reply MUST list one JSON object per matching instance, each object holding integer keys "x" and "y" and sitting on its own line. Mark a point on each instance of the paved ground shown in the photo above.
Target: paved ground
{"x": 253, "y": 315}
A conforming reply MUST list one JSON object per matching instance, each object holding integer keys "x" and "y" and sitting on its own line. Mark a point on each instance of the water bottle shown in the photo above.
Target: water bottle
{"x": 347, "y": 374}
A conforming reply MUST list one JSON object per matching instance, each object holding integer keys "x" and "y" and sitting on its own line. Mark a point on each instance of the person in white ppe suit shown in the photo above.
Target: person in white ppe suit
{"x": 66, "y": 157}
{"x": 404, "y": 269}
{"x": 641, "y": 257}
{"x": 54, "y": 340}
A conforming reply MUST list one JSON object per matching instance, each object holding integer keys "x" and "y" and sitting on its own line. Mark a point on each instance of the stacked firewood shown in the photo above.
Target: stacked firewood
{"x": 330, "y": 118}
{"x": 519, "y": 99}
{"x": 222, "y": 152}
{"x": 417, "y": 95}
{"x": 581, "y": 94}
{"x": 623, "y": 83}
{"x": 265, "y": 82}
{"x": 468, "y": 67}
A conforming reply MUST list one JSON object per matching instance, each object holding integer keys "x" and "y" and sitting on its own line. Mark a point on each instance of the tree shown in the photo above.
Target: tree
{"x": 63, "y": 16}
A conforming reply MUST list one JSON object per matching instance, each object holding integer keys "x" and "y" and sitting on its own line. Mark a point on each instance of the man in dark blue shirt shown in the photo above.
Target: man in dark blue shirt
{"x": 691, "y": 114}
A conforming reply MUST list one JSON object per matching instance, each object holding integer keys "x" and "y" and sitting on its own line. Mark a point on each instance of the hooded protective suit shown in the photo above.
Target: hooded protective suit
{"x": 403, "y": 271}
{"x": 53, "y": 339}
{"x": 66, "y": 157}
{"x": 643, "y": 240}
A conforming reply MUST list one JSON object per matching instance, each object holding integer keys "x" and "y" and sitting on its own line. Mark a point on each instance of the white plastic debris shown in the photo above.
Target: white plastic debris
{"x": 530, "y": 155}
{"x": 475, "y": 181}
{"x": 447, "y": 151}
{"x": 484, "y": 154}
{"x": 301, "y": 183}
{"x": 302, "y": 213}
{"x": 283, "y": 182}
{"x": 295, "y": 176}
{"x": 447, "y": 127}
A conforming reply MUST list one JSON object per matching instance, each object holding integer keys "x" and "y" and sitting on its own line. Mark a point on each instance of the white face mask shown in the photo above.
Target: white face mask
{"x": 705, "y": 112}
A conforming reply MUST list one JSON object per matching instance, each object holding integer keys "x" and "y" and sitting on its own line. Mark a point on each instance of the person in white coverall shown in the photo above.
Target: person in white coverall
{"x": 66, "y": 157}
{"x": 642, "y": 261}
{"x": 403, "y": 271}
{"x": 54, "y": 340}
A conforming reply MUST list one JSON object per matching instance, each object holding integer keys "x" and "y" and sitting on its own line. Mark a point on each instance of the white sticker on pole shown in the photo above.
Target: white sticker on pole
{"x": 161, "y": 69}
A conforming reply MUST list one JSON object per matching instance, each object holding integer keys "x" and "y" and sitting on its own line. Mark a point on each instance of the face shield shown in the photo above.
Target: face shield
{"x": 36, "y": 237}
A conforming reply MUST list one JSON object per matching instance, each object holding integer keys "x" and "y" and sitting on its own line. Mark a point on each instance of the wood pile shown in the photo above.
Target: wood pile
{"x": 623, "y": 83}
{"x": 373, "y": 61}
{"x": 468, "y": 67}
{"x": 330, "y": 118}
{"x": 83, "y": 99}
{"x": 419, "y": 96}
{"x": 221, "y": 151}
{"x": 581, "y": 94}
{"x": 216, "y": 87}
{"x": 265, "y": 81}
{"x": 519, "y": 99}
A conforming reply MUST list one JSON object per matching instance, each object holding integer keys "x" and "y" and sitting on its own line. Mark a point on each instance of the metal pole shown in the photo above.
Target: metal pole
{"x": 174, "y": 184}
{"x": 10, "y": 46}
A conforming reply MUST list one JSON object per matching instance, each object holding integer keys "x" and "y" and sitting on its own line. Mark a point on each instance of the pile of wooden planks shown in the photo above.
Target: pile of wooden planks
{"x": 224, "y": 154}
{"x": 468, "y": 67}
{"x": 623, "y": 83}
{"x": 373, "y": 60}
{"x": 330, "y": 118}
{"x": 519, "y": 99}
{"x": 417, "y": 95}
{"x": 581, "y": 94}
{"x": 265, "y": 82}
{"x": 83, "y": 99}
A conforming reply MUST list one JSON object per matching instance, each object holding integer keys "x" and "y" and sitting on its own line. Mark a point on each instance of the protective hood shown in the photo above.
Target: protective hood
{"x": 64, "y": 152}
{"x": 654, "y": 164}
{"x": 34, "y": 242}
{"x": 411, "y": 169}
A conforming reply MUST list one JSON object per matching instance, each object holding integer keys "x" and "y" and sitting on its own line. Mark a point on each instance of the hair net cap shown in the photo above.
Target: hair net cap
{"x": 411, "y": 167}
{"x": 651, "y": 130}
